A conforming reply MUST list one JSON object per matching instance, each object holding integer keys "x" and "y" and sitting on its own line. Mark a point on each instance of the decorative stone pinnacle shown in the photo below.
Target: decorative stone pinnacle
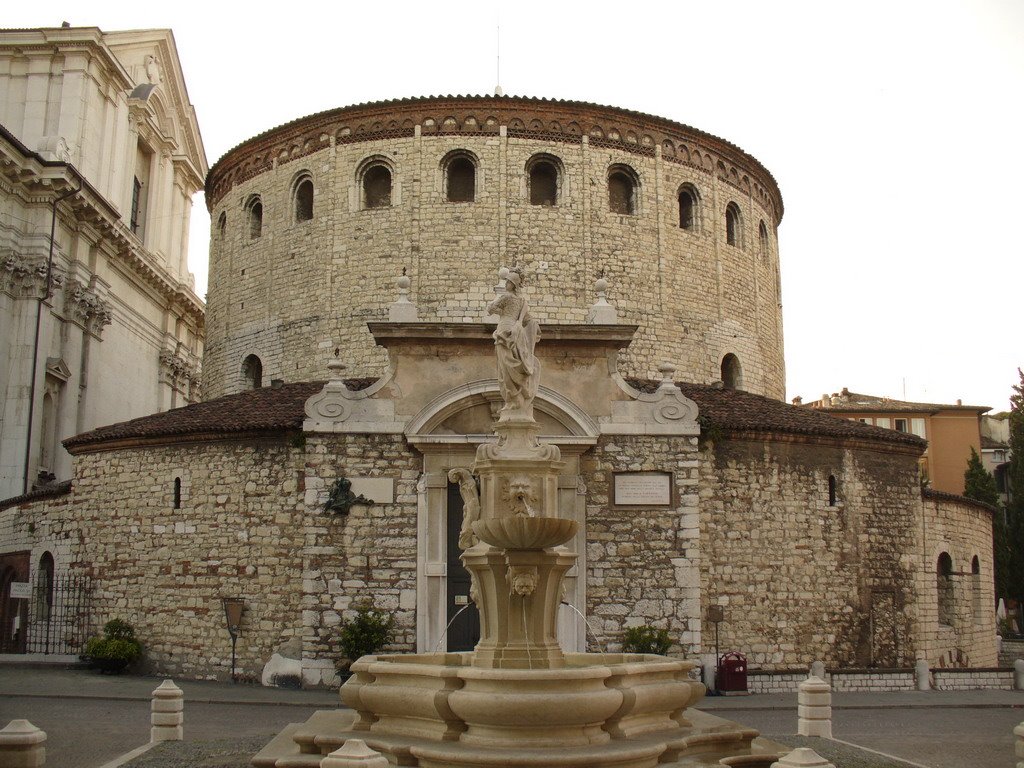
{"x": 402, "y": 310}
{"x": 601, "y": 311}
{"x": 336, "y": 367}
{"x": 667, "y": 370}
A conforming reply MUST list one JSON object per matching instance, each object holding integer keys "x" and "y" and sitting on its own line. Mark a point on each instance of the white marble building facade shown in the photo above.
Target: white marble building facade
{"x": 99, "y": 146}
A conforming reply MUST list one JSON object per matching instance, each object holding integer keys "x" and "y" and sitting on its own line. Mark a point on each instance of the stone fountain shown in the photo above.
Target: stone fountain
{"x": 517, "y": 699}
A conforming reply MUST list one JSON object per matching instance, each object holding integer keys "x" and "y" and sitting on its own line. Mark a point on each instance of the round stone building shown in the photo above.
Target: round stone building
{"x": 312, "y": 221}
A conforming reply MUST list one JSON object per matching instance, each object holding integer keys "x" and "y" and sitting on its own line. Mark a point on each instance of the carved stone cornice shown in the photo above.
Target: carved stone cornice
{"x": 86, "y": 308}
{"x": 183, "y": 371}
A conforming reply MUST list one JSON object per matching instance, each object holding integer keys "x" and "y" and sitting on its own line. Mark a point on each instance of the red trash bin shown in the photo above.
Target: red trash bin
{"x": 732, "y": 672}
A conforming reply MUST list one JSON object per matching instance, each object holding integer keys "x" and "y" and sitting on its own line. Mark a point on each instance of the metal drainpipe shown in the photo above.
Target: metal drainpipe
{"x": 39, "y": 322}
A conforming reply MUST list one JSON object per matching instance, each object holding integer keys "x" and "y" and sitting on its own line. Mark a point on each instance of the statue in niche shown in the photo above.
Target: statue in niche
{"x": 470, "y": 505}
{"x": 152, "y": 69}
{"x": 514, "y": 341}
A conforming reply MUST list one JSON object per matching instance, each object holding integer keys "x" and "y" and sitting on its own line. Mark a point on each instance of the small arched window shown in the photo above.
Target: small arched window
{"x": 622, "y": 188}
{"x": 763, "y": 242}
{"x": 254, "y": 213}
{"x": 944, "y": 587}
{"x": 687, "y": 207}
{"x": 543, "y": 182}
{"x": 304, "y": 199}
{"x": 222, "y": 225}
{"x": 377, "y": 186}
{"x": 460, "y": 179}
{"x": 976, "y": 586}
{"x": 44, "y": 587}
{"x": 252, "y": 372}
{"x": 177, "y": 493}
{"x": 832, "y": 490}
{"x": 732, "y": 372}
{"x": 733, "y": 225}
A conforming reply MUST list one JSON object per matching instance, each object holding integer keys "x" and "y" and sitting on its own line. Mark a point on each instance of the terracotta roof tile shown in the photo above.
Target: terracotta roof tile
{"x": 931, "y": 493}
{"x": 281, "y": 408}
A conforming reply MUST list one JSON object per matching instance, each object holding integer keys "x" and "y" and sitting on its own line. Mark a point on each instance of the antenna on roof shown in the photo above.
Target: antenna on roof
{"x": 497, "y": 88}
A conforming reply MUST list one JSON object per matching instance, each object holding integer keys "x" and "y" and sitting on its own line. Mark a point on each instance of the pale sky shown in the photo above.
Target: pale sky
{"x": 894, "y": 129}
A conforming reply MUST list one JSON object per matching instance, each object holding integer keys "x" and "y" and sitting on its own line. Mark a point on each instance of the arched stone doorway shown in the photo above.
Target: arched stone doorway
{"x": 447, "y": 432}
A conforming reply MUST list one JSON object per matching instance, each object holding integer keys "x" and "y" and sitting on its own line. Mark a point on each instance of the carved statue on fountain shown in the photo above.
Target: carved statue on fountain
{"x": 515, "y": 338}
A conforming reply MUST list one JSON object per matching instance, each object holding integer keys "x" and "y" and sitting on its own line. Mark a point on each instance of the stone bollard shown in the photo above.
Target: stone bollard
{"x": 801, "y": 758}
{"x": 168, "y": 713}
{"x": 1019, "y": 748}
{"x": 1018, "y": 675}
{"x": 354, "y": 754}
{"x": 814, "y": 708}
{"x": 22, "y": 745}
{"x": 922, "y": 675}
{"x": 818, "y": 669}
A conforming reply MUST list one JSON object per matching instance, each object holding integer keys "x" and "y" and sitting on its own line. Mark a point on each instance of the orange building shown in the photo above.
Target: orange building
{"x": 951, "y": 430}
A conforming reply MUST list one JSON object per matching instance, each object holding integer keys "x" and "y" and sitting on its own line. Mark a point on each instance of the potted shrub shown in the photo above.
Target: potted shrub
{"x": 364, "y": 634}
{"x": 115, "y": 649}
{"x": 645, "y": 640}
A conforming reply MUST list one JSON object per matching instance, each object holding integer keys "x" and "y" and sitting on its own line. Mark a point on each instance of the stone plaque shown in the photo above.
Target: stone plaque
{"x": 380, "y": 489}
{"x": 21, "y": 590}
{"x": 643, "y": 489}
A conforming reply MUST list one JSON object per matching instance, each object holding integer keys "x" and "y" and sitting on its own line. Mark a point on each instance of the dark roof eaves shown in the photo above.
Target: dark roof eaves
{"x": 60, "y": 489}
{"x": 946, "y": 496}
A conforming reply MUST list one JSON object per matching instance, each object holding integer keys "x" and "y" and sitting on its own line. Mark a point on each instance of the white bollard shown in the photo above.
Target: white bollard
{"x": 802, "y": 758}
{"x": 922, "y": 675}
{"x": 1019, "y": 747}
{"x": 818, "y": 669}
{"x": 22, "y": 745}
{"x": 354, "y": 754}
{"x": 814, "y": 708}
{"x": 1018, "y": 675}
{"x": 167, "y": 713}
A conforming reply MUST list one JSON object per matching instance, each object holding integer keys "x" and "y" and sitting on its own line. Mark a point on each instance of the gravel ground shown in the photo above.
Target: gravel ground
{"x": 236, "y": 753}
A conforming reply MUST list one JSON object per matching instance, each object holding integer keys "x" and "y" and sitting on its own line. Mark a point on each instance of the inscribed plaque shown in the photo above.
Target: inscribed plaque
{"x": 643, "y": 489}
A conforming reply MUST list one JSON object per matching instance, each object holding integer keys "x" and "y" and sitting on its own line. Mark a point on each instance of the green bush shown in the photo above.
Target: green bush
{"x": 118, "y": 643}
{"x": 367, "y": 632}
{"x": 645, "y": 640}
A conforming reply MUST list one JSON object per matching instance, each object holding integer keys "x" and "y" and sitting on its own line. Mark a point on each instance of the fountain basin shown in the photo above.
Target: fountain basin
{"x": 525, "y": 532}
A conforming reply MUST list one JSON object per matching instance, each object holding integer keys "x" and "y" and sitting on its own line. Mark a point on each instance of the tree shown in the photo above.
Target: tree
{"x": 1009, "y": 528}
{"x": 978, "y": 481}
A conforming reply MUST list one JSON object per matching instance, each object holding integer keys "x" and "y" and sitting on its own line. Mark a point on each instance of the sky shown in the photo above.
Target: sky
{"x": 894, "y": 130}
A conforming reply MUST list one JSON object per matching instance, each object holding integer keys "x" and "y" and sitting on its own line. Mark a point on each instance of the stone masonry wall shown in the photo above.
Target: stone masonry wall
{"x": 801, "y": 580}
{"x": 964, "y": 531}
{"x": 643, "y": 562}
{"x": 301, "y": 289}
{"x": 164, "y": 569}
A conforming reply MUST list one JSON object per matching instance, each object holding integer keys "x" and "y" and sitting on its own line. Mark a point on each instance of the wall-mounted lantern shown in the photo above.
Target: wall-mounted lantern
{"x": 233, "y": 607}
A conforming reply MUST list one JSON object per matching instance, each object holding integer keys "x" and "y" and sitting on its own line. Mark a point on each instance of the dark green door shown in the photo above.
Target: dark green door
{"x": 464, "y": 633}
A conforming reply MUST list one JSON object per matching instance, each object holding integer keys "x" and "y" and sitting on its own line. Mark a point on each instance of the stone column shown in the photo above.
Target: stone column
{"x": 167, "y": 713}
{"x": 22, "y": 745}
{"x": 814, "y": 708}
{"x": 803, "y": 758}
{"x": 354, "y": 754}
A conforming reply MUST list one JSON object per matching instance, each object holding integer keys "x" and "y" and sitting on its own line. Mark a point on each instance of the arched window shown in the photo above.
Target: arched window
{"x": 177, "y": 493}
{"x": 254, "y": 213}
{"x": 222, "y": 225}
{"x": 304, "y": 199}
{"x": 733, "y": 225}
{"x": 622, "y": 188}
{"x": 252, "y": 372}
{"x": 944, "y": 587}
{"x": 763, "y": 243}
{"x": 543, "y": 180}
{"x": 459, "y": 178}
{"x": 44, "y": 587}
{"x": 687, "y": 207}
{"x": 976, "y": 586}
{"x": 832, "y": 490}
{"x": 377, "y": 186}
{"x": 732, "y": 372}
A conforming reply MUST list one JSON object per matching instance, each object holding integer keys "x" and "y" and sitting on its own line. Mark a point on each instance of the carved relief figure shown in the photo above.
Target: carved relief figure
{"x": 519, "y": 493}
{"x": 514, "y": 341}
{"x": 470, "y": 505}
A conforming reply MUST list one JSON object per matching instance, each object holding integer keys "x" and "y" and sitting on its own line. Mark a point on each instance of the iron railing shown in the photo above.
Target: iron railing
{"x": 60, "y": 616}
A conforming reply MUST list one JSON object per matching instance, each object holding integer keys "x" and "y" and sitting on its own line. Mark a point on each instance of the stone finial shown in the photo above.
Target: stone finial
{"x": 403, "y": 310}
{"x": 337, "y": 369}
{"x": 167, "y": 713}
{"x": 354, "y": 754}
{"x": 922, "y": 675}
{"x": 668, "y": 372}
{"x": 601, "y": 312}
{"x": 803, "y": 757}
{"x": 22, "y": 745}
{"x": 814, "y": 709}
{"x": 1019, "y": 747}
